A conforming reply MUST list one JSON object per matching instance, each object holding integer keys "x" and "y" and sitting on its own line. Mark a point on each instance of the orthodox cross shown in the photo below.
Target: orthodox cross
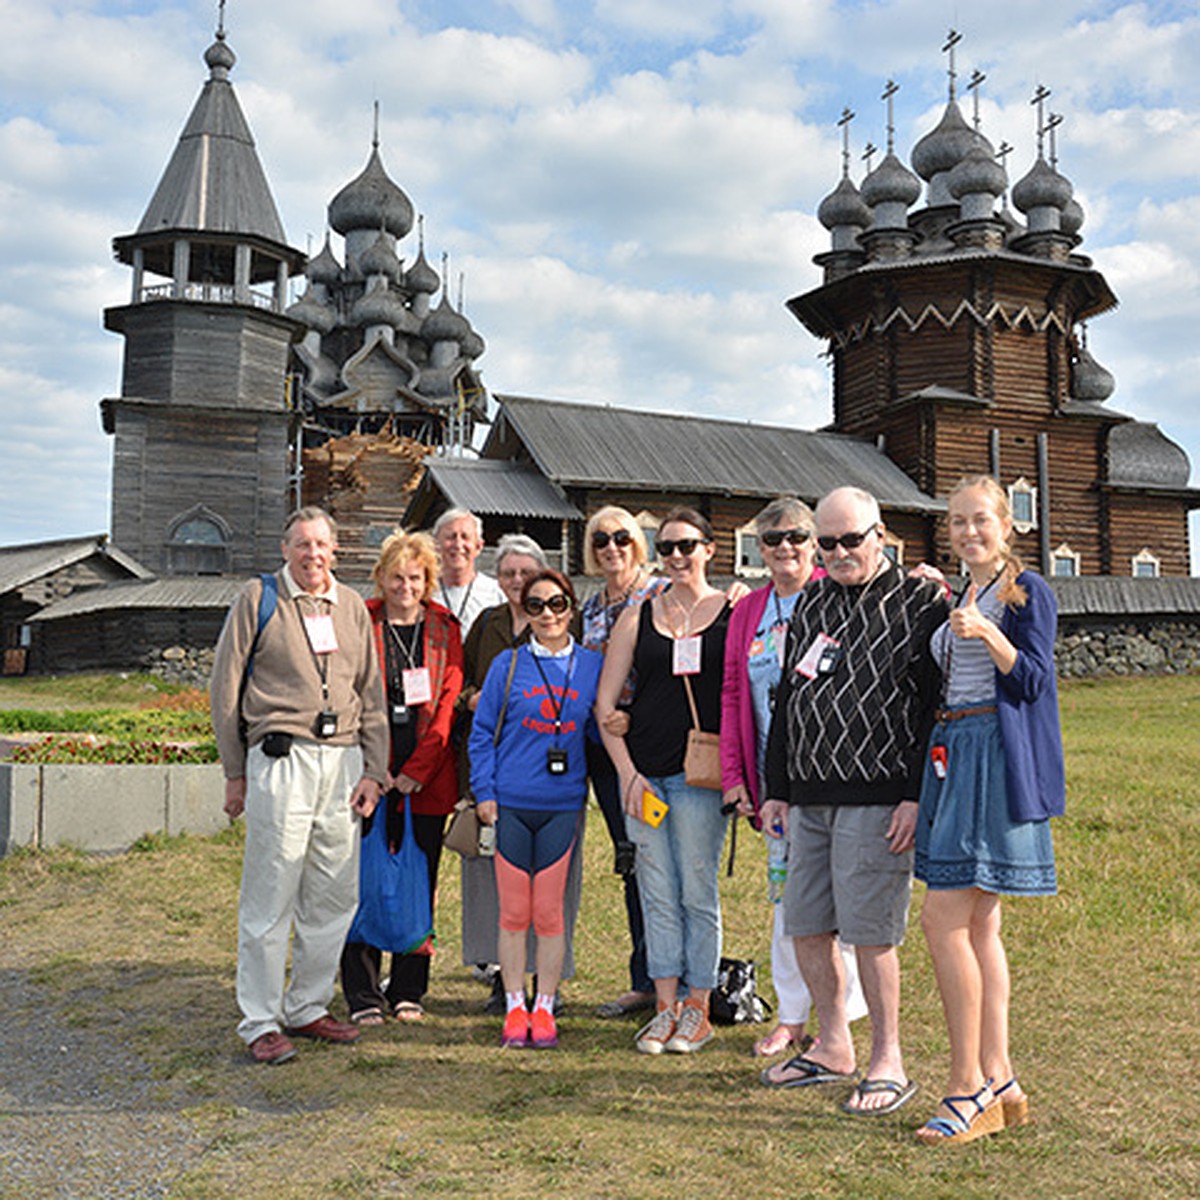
{"x": 844, "y": 121}
{"x": 221, "y": 19}
{"x": 868, "y": 151}
{"x": 977, "y": 78}
{"x": 1002, "y": 156}
{"x": 888, "y": 92}
{"x": 1039, "y": 99}
{"x": 1053, "y": 121}
{"x": 952, "y": 40}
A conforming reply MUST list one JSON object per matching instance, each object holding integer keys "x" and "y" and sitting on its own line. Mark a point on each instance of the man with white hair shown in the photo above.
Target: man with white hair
{"x": 465, "y": 591}
{"x": 852, "y": 715}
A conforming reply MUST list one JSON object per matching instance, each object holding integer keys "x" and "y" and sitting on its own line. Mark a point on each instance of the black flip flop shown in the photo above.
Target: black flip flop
{"x": 902, "y": 1093}
{"x": 812, "y": 1073}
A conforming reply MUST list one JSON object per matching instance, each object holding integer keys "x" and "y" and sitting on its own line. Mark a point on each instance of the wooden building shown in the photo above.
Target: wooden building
{"x": 201, "y": 428}
{"x": 957, "y": 335}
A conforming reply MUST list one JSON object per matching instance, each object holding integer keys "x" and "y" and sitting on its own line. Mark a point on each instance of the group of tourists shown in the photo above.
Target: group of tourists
{"x": 868, "y": 723}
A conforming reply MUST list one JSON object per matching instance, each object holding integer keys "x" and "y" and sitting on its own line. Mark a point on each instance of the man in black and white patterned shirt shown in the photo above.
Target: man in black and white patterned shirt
{"x": 852, "y": 716}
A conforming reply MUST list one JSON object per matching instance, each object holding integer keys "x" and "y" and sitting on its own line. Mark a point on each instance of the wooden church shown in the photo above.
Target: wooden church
{"x": 957, "y": 334}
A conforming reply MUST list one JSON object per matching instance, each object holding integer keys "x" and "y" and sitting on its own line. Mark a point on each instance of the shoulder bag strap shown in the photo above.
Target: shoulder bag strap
{"x": 512, "y": 667}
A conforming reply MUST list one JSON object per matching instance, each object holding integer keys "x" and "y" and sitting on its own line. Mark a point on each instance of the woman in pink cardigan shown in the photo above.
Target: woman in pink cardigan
{"x": 754, "y": 649}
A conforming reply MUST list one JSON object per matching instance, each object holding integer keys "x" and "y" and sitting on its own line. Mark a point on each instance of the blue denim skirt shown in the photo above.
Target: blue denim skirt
{"x": 965, "y": 836}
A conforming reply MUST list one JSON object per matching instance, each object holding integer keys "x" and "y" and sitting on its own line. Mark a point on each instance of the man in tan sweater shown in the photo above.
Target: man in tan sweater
{"x": 314, "y": 757}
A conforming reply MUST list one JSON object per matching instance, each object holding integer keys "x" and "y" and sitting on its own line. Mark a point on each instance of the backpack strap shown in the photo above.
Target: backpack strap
{"x": 268, "y": 600}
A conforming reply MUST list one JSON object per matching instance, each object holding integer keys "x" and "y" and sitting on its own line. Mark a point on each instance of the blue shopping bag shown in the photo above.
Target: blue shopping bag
{"x": 394, "y": 911}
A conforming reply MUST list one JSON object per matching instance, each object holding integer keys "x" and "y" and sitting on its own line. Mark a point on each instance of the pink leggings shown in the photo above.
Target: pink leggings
{"x": 533, "y": 854}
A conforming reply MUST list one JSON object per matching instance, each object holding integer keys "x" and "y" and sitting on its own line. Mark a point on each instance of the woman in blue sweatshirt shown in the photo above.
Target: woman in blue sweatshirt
{"x": 529, "y": 777}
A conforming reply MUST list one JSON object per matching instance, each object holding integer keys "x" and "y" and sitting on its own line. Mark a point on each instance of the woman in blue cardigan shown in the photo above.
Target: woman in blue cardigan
{"x": 993, "y": 779}
{"x": 529, "y": 776}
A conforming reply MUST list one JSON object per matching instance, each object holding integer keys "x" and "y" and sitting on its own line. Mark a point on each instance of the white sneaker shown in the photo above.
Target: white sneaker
{"x": 652, "y": 1038}
{"x": 692, "y": 1031}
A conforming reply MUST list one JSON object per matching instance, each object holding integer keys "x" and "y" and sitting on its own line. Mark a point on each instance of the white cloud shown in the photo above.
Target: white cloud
{"x": 630, "y": 186}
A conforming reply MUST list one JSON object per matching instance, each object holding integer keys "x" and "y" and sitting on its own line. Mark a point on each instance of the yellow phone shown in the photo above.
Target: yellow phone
{"x": 654, "y": 808}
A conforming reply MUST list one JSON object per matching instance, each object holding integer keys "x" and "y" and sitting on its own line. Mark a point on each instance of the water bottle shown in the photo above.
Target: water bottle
{"x": 776, "y": 867}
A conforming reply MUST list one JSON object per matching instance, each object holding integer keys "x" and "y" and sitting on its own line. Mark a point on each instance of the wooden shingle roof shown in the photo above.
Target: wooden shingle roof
{"x": 592, "y": 445}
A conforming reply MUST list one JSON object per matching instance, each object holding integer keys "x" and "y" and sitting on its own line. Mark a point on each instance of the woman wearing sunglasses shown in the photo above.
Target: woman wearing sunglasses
{"x": 615, "y": 547}
{"x": 529, "y": 776}
{"x": 675, "y": 642}
{"x": 787, "y": 540}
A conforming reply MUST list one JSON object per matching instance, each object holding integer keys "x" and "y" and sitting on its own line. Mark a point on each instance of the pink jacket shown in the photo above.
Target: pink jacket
{"x": 739, "y": 738}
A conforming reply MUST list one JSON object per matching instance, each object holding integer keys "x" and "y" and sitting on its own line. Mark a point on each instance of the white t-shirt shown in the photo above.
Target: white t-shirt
{"x": 467, "y": 600}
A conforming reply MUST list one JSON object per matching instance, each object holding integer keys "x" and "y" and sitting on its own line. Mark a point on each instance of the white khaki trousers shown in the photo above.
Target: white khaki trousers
{"x": 299, "y": 878}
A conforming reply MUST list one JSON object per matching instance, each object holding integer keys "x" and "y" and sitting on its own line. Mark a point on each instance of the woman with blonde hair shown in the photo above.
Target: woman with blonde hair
{"x": 614, "y": 547}
{"x": 993, "y": 778}
{"x": 421, "y": 659}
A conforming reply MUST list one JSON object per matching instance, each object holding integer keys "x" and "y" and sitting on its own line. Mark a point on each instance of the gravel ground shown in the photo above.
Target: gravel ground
{"x": 80, "y": 1117}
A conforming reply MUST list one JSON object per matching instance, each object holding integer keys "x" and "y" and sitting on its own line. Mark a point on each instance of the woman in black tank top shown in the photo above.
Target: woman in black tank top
{"x": 675, "y": 642}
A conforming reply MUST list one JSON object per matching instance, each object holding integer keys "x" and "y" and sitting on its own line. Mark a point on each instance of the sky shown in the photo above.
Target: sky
{"x": 626, "y": 188}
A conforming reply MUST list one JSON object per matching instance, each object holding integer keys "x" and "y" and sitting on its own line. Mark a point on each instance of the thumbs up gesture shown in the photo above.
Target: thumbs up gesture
{"x": 966, "y": 621}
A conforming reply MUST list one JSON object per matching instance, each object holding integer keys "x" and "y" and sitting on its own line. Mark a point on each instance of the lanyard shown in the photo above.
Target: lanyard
{"x": 466, "y": 597}
{"x": 321, "y": 661}
{"x": 408, "y": 649}
{"x": 556, "y": 704}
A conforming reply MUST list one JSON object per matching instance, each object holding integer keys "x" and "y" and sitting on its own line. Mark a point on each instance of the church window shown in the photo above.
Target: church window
{"x": 198, "y": 543}
{"x": 1146, "y": 565}
{"x": 1065, "y": 562}
{"x": 1022, "y": 500}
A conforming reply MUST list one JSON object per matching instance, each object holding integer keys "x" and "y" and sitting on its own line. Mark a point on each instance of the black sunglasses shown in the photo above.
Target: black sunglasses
{"x": 685, "y": 546}
{"x": 793, "y": 537}
{"x": 557, "y": 604}
{"x": 619, "y": 537}
{"x": 850, "y": 540}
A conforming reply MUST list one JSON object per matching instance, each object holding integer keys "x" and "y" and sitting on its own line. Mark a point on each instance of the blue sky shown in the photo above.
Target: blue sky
{"x": 628, "y": 186}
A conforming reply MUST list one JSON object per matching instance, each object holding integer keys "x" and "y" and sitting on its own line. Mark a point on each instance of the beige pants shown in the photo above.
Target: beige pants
{"x": 299, "y": 879}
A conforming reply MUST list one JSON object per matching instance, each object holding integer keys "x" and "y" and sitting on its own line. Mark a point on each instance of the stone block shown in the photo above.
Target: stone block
{"x": 195, "y": 794}
{"x": 102, "y": 806}
{"x": 20, "y": 801}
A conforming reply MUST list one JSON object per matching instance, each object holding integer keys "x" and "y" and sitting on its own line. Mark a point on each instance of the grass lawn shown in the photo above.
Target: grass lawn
{"x": 141, "y": 947}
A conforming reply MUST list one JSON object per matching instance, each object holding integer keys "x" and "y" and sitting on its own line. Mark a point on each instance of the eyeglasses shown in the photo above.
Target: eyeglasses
{"x": 793, "y": 537}
{"x": 619, "y": 537}
{"x": 851, "y": 541}
{"x": 684, "y": 546}
{"x": 557, "y": 604}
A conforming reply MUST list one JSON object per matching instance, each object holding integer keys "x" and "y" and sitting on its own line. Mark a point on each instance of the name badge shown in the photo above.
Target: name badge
{"x": 779, "y": 633}
{"x": 820, "y": 658}
{"x": 417, "y": 687}
{"x": 321, "y": 635}
{"x": 685, "y": 656}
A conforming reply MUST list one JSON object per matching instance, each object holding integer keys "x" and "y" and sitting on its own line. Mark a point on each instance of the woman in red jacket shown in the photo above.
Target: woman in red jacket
{"x": 420, "y": 655}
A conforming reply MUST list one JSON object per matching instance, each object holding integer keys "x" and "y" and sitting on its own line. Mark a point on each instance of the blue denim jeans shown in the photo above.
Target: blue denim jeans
{"x": 677, "y": 868}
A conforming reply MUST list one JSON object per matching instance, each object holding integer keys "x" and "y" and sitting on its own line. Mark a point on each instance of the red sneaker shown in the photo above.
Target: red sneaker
{"x": 543, "y": 1030}
{"x": 515, "y": 1035}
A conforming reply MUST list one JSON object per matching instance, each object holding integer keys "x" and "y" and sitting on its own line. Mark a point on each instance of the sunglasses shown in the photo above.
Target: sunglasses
{"x": 851, "y": 541}
{"x": 557, "y": 604}
{"x": 793, "y": 537}
{"x": 619, "y": 537}
{"x": 684, "y": 546}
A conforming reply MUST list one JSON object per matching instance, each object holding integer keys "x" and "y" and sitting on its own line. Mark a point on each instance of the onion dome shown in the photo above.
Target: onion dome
{"x": 844, "y": 206}
{"x": 421, "y": 277}
{"x": 445, "y": 325}
{"x": 325, "y": 268}
{"x": 380, "y": 259}
{"x": 378, "y": 306}
{"x": 891, "y": 183}
{"x": 977, "y": 173}
{"x": 1072, "y": 217}
{"x": 1089, "y": 380}
{"x": 311, "y": 312}
{"x": 219, "y": 57}
{"x": 1043, "y": 187}
{"x": 943, "y": 148}
{"x": 371, "y": 201}
{"x": 1141, "y": 455}
{"x": 473, "y": 345}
